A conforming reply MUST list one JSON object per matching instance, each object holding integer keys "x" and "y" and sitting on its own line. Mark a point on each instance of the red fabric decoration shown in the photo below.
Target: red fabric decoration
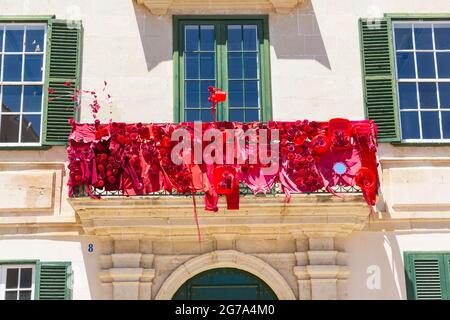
{"x": 224, "y": 179}
{"x": 216, "y": 96}
{"x": 320, "y": 144}
{"x": 136, "y": 159}
{"x": 339, "y": 133}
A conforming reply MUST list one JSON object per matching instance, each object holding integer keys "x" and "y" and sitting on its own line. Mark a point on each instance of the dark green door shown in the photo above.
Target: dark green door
{"x": 224, "y": 284}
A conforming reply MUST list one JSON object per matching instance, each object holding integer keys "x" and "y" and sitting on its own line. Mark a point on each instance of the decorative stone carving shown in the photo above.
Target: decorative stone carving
{"x": 320, "y": 277}
{"x": 130, "y": 274}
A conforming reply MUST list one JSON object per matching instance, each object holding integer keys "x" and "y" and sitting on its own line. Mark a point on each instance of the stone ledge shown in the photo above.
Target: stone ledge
{"x": 322, "y": 272}
{"x": 322, "y": 257}
{"x": 126, "y": 260}
{"x": 173, "y": 216}
{"x": 387, "y": 162}
{"x": 163, "y": 7}
{"x": 120, "y": 275}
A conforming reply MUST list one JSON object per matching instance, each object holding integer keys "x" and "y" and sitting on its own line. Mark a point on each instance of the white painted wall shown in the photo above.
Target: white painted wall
{"x": 85, "y": 265}
{"x": 369, "y": 252}
{"x": 315, "y": 58}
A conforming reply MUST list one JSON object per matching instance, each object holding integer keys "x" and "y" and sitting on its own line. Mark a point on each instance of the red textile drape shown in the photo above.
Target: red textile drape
{"x": 138, "y": 158}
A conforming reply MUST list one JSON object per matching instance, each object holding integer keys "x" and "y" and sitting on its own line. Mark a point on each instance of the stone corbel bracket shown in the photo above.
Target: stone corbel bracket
{"x": 130, "y": 274}
{"x": 163, "y": 7}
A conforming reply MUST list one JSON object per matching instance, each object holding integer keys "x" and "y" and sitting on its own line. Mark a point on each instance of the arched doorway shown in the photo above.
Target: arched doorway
{"x": 224, "y": 284}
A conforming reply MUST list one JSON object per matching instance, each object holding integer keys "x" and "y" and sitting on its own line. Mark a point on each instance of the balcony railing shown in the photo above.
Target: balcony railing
{"x": 119, "y": 159}
{"x": 244, "y": 191}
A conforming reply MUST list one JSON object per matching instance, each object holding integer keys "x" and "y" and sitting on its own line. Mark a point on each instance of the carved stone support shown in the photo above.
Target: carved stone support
{"x": 319, "y": 272}
{"x": 130, "y": 273}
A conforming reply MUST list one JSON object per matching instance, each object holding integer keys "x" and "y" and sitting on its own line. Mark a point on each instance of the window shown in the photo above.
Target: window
{"x": 427, "y": 275}
{"x": 231, "y": 54}
{"x": 17, "y": 282}
{"x": 34, "y": 279}
{"x": 30, "y": 114}
{"x": 422, "y": 59}
{"x": 22, "y": 61}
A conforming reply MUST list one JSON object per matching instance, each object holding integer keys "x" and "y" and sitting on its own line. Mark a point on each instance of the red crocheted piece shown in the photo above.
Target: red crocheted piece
{"x": 136, "y": 159}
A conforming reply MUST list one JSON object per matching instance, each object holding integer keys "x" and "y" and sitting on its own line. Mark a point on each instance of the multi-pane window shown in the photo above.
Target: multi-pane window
{"x": 422, "y": 57}
{"x": 243, "y": 72}
{"x": 16, "y": 282}
{"x": 22, "y": 63}
{"x": 200, "y": 70}
{"x": 228, "y": 54}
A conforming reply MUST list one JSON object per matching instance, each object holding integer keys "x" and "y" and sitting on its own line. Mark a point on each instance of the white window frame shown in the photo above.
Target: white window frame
{"x": 3, "y": 26}
{"x": 418, "y": 80}
{"x": 4, "y": 268}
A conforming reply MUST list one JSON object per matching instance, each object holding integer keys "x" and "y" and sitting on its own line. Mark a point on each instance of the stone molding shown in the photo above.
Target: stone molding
{"x": 224, "y": 259}
{"x": 163, "y": 7}
{"x": 127, "y": 272}
{"x": 317, "y": 215}
{"x": 321, "y": 271}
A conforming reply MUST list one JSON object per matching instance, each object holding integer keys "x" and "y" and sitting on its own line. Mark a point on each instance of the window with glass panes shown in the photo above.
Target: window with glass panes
{"x": 422, "y": 57}
{"x": 22, "y": 61}
{"x": 230, "y": 54}
{"x": 17, "y": 282}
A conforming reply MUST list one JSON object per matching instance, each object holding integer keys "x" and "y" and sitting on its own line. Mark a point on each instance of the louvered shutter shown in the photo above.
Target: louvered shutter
{"x": 54, "y": 281}
{"x": 63, "y": 67}
{"x": 426, "y": 276}
{"x": 378, "y": 78}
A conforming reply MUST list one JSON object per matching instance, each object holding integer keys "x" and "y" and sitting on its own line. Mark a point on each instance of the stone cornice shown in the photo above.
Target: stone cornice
{"x": 162, "y": 7}
{"x": 387, "y": 162}
{"x": 17, "y": 226}
{"x": 169, "y": 216}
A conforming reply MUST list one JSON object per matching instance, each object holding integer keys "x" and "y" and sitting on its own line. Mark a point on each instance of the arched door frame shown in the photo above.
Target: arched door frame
{"x": 225, "y": 259}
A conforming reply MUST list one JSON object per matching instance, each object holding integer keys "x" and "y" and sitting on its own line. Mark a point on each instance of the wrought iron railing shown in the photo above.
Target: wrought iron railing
{"x": 244, "y": 191}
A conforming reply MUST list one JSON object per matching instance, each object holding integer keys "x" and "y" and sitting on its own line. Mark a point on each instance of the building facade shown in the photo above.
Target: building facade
{"x": 278, "y": 60}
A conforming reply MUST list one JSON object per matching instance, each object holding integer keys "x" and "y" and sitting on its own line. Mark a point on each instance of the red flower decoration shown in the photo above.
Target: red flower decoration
{"x": 320, "y": 144}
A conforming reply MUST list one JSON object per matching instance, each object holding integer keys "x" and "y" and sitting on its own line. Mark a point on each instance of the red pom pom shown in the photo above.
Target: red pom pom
{"x": 299, "y": 139}
{"x": 165, "y": 142}
{"x": 111, "y": 179}
{"x": 121, "y": 139}
{"x": 320, "y": 144}
{"x": 365, "y": 178}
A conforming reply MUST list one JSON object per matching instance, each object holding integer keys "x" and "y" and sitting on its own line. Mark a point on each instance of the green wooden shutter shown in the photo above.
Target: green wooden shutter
{"x": 54, "y": 281}
{"x": 63, "y": 66}
{"x": 427, "y": 276}
{"x": 378, "y": 78}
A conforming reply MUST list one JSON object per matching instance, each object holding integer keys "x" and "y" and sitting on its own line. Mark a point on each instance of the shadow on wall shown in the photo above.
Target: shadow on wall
{"x": 156, "y": 36}
{"x": 376, "y": 264}
{"x": 297, "y": 36}
{"x": 293, "y": 36}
